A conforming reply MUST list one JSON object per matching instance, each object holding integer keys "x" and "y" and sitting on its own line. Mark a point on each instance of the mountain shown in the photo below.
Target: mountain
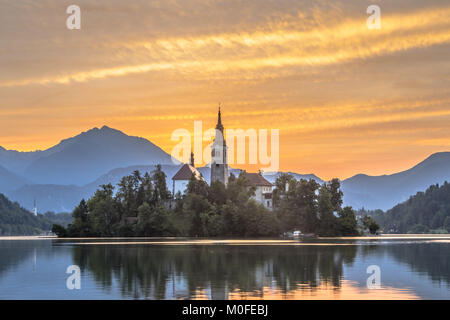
{"x": 10, "y": 180}
{"x": 50, "y": 197}
{"x": 272, "y": 176}
{"x": 73, "y": 169}
{"x": 384, "y": 192}
{"x": 16, "y": 161}
{"x": 83, "y": 158}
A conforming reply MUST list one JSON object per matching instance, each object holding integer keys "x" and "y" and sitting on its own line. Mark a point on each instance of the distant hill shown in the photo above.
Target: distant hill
{"x": 14, "y": 220}
{"x": 60, "y": 176}
{"x": 384, "y": 192}
{"x": 63, "y": 198}
{"x": 272, "y": 176}
{"x": 83, "y": 158}
{"x": 16, "y": 161}
{"x": 50, "y": 197}
{"x": 421, "y": 213}
{"x": 10, "y": 180}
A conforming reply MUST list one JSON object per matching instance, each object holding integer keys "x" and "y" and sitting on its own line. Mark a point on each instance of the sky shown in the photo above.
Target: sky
{"x": 346, "y": 99}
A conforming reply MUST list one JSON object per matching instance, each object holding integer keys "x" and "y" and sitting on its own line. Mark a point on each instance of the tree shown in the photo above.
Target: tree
{"x": 328, "y": 222}
{"x": 195, "y": 207}
{"x": 59, "y": 230}
{"x": 370, "y": 224}
{"x": 160, "y": 192}
{"x": 334, "y": 187}
{"x": 80, "y": 225}
{"x": 127, "y": 195}
{"x": 282, "y": 184}
{"x": 447, "y": 223}
{"x": 103, "y": 211}
{"x": 152, "y": 221}
{"x": 347, "y": 222}
{"x": 297, "y": 206}
{"x": 217, "y": 193}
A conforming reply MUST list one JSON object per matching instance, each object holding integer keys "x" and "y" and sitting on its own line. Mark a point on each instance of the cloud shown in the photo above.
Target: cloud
{"x": 270, "y": 51}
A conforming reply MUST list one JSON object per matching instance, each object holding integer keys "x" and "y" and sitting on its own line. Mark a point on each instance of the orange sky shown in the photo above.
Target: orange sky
{"x": 346, "y": 99}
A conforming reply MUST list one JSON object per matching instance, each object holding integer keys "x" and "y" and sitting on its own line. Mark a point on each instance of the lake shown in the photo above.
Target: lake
{"x": 409, "y": 268}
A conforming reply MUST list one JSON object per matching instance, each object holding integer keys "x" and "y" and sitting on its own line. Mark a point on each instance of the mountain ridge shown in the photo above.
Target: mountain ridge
{"x": 81, "y": 159}
{"x": 77, "y": 163}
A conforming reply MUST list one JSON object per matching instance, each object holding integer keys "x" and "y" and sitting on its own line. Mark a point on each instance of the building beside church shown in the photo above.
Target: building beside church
{"x": 219, "y": 161}
{"x": 263, "y": 188}
{"x": 181, "y": 179}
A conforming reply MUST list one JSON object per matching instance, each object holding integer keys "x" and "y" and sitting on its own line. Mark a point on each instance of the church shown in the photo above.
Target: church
{"x": 219, "y": 160}
{"x": 219, "y": 170}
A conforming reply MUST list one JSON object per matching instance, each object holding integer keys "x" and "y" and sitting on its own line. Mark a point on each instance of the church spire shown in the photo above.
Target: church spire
{"x": 192, "y": 159}
{"x": 219, "y": 125}
{"x": 219, "y": 161}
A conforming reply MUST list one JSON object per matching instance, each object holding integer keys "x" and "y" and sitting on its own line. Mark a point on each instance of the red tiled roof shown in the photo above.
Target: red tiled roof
{"x": 256, "y": 180}
{"x": 186, "y": 172}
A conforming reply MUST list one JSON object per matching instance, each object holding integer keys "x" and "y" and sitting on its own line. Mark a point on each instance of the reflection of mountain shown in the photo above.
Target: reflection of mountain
{"x": 167, "y": 272}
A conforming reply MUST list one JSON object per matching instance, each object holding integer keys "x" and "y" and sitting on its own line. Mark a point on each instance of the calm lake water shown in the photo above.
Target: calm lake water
{"x": 410, "y": 268}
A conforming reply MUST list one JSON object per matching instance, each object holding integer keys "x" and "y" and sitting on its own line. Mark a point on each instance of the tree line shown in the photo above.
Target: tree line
{"x": 142, "y": 205}
{"x": 425, "y": 212}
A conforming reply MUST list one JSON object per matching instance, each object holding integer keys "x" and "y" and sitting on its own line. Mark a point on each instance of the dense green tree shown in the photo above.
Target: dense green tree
{"x": 81, "y": 225}
{"x": 328, "y": 221}
{"x": 347, "y": 222}
{"x": 160, "y": 191}
{"x": 447, "y": 224}
{"x": 128, "y": 195}
{"x": 59, "y": 230}
{"x": 143, "y": 206}
{"x": 103, "y": 213}
{"x": 152, "y": 221}
{"x": 370, "y": 224}
{"x": 312, "y": 208}
{"x": 217, "y": 193}
{"x": 334, "y": 187}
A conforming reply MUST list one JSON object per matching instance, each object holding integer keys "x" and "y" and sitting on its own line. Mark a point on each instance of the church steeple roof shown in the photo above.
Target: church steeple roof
{"x": 219, "y": 125}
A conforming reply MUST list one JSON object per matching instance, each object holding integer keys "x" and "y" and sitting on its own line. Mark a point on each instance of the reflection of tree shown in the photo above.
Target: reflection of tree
{"x": 427, "y": 258}
{"x": 14, "y": 252}
{"x": 149, "y": 271}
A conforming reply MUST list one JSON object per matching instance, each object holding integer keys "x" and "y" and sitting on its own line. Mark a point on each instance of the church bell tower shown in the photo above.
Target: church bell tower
{"x": 219, "y": 162}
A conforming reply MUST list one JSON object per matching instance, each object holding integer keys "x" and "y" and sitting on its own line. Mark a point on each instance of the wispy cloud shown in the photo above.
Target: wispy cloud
{"x": 227, "y": 54}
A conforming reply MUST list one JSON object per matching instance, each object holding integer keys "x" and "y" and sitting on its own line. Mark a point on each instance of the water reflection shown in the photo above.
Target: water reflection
{"x": 225, "y": 270}
{"x": 239, "y": 272}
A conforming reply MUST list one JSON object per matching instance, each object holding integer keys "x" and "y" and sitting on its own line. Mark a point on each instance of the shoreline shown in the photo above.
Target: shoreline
{"x": 222, "y": 240}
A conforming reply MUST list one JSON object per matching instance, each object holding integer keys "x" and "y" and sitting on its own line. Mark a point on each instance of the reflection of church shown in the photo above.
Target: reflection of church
{"x": 219, "y": 170}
